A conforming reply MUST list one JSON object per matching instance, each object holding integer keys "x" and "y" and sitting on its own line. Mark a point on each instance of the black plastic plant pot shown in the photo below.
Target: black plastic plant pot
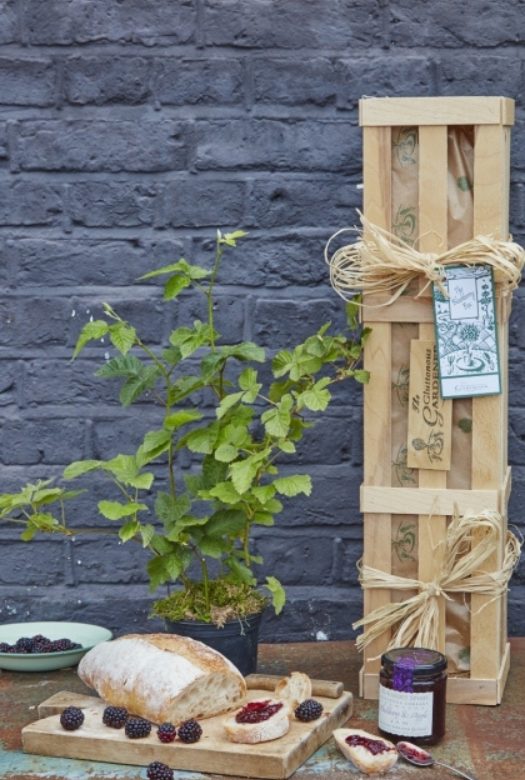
{"x": 237, "y": 640}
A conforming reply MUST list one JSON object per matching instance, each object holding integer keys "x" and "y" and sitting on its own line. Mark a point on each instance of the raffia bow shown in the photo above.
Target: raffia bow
{"x": 470, "y": 540}
{"x": 380, "y": 262}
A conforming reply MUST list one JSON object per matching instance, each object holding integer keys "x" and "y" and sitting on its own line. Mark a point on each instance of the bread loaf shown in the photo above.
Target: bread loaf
{"x": 163, "y": 677}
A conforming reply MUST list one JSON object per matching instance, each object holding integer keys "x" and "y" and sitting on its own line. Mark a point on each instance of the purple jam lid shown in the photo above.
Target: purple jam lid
{"x": 408, "y": 663}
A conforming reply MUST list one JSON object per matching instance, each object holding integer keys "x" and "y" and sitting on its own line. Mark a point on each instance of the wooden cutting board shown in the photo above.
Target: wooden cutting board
{"x": 213, "y": 753}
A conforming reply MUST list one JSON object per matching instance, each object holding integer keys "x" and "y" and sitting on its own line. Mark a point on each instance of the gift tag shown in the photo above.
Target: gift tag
{"x": 466, "y": 333}
{"x": 429, "y": 415}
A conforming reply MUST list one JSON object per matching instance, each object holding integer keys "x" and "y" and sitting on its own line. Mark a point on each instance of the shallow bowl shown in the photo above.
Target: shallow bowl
{"x": 85, "y": 634}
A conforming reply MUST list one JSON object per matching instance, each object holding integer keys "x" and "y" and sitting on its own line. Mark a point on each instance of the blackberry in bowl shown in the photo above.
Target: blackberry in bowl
{"x": 47, "y": 645}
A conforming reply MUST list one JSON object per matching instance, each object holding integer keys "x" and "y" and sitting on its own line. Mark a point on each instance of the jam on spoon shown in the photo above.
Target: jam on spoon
{"x": 419, "y": 757}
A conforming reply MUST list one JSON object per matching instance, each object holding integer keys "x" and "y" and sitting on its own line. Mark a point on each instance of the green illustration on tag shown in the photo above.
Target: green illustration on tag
{"x": 466, "y": 333}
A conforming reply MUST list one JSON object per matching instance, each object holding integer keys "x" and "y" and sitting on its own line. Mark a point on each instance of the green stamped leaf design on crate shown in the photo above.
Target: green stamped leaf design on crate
{"x": 404, "y": 474}
{"x": 405, "y": 223}
{"x": 404, "y": 543}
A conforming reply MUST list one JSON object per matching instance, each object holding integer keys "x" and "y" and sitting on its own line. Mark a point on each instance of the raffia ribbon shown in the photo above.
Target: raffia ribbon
{"x": 470, "y": 540}
{"x": 380, "y": 262}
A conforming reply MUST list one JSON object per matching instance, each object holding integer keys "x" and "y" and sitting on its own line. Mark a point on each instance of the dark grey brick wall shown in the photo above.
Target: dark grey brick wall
{"x": 128, "y": 131}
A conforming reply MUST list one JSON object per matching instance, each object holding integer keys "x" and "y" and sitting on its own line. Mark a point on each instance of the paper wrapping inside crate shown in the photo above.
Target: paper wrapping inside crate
{"x": 405, "y": 224}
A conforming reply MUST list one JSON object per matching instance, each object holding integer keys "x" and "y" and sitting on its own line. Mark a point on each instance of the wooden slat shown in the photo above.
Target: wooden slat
{"x": 436, "y": 111}
{"x": 378, "y": 359}
{"x": 433, "y": 207}
{"x": 489, "y": 415}
{"x": 405, "y": 309}
{"x": 426, "y": 501}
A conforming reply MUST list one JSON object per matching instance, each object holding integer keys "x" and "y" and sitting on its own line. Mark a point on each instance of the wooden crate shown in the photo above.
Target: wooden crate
{"x": 435, "y": 495}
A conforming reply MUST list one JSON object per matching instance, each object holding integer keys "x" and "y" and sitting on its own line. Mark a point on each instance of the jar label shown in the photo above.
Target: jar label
{"x": 405, "y": 714}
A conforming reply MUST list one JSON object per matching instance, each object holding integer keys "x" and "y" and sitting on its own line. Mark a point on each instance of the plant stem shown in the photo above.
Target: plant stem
{"x": 171, "y": 475}
{"x": 209, "y": 291}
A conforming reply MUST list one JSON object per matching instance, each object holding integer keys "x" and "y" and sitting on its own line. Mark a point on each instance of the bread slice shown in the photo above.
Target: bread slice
{"x": 163, "y": 677}
{"x": 294, "y": 689}
{"x": 274, "y": 727}
{"x": 363, "y": 758}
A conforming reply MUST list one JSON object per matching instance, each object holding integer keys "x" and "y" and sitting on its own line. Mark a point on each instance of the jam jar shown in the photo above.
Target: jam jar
{"x": 412, "y": 689}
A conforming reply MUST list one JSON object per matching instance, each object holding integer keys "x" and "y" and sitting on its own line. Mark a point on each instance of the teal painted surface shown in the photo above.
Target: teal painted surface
{"x": 17, "y": 764}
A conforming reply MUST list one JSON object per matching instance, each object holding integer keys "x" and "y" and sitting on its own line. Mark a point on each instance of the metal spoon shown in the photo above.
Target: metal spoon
{"x": 419, "y": 757}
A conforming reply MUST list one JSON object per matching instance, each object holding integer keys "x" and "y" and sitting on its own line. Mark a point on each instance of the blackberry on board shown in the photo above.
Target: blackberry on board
{"x": 166, "y": 732}
{"x": 308, "y": 710}
{"x": 159, "y": 771}
{"x": 137, "y": 728}
{"x": 71, "y": 718}
{"x": 115, "y": 717}
{"x": 190, "y": 731}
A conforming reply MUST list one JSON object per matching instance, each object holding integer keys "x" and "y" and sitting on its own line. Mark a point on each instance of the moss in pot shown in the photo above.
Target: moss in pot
{"x": 239, "y": 440}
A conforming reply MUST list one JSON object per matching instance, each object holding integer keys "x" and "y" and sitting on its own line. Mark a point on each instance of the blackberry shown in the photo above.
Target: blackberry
{"x": 115, "y": 717}
{"x": 24, "y": 644}
{"x": 190, "y": 731}
{"x": 4, "y": 647}
{"x": 60, "y": 645}
{"x": 166, "y": 732}
{"x": 71, "y": 718}
{"x": 40, "y": 638}
{"x": 158, "y": 771}
{"x": 136, "y": 728}
{"x": 42, "y": 646}
{"x": 308, "y": 710}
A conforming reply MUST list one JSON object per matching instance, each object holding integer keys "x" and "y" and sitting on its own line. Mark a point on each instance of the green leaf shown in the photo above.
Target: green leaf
{"x": 277, "y": 420}
{"x": 246, "y": 350}
{"x": 293, "y": 485}
{"x": 226, "y": 453}
{"x": 175, "y": 421}
{"x": 353, "y": 312}
{"x": 201, "y": 440}
{"x": 278, "y": 594}
{"x": 263, "y": 518}
{"x": 213, "y": 472}
{"x": 226, "y": 522}
{"x": 282, "y": 363}
{"x": 225, "y": 492}
{"x": 184, "y": 387}
{"x": 243, "y": 472}
{"x": 121, "y": 366}
{"x": 170, "y": 509}
{"x": 181, "y": 266}
{"x": 156, "y": 572}
{"x": 123, "y": 336}
{"x": 361, "y": 376}
{"x": 114, "y": 510}
{"x": 174, "y": 286}
{"x": 80, "y": 467}
{"x": 230, "y": 239}
{"x": 134, "y": 387}
{"x": 317, "y": 397}
{"x": 147, "y": 533}
{"x": 287, "y": 446}
{"x": 125, "y": 469}
{"x": 129, "y": 530}
{"x": 188, "y": 340}
{"x": 241, "y": 572}
{"x": 213, "y": 547}
{"x": 227, "y": 402}
{"x": 263, "y": 493}
{"x": 155, "y": 443}
{"x": 90, "y": 332}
